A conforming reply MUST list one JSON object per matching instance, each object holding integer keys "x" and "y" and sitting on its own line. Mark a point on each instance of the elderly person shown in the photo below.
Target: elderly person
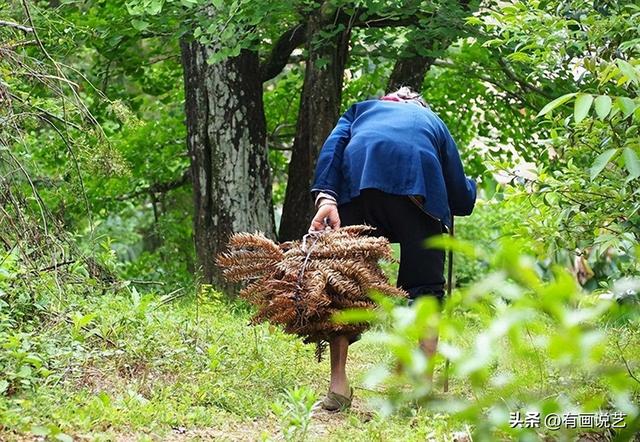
{"x": 392, "y": 164}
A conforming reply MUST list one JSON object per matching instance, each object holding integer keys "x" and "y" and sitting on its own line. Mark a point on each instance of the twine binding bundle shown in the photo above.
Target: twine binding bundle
{"x": 301, "y": 284}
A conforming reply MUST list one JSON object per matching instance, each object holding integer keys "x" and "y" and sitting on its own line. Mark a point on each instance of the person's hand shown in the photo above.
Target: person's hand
{"x": 326, "y": 211}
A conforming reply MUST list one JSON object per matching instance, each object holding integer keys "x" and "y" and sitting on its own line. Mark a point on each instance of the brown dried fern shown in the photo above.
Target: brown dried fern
{"x": 301, "y": 284}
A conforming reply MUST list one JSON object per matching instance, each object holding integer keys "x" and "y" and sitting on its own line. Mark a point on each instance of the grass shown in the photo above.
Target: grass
{"x": 158, "y": 372}
{"x": 172, "y": 376}
{"x": 131, "y": 367}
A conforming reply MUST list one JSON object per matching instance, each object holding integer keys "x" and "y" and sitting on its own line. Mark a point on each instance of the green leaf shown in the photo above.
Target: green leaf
{"x": 139, "y": 25}
{"x": 80, "y": 320}
{"x": 474, "y": 21}
{"x": 628, "y": 70}
{"x": 582, "y": 106}
{"x": 354, "y": 316}
{"x": 626, "y": 105}
{"x": 376, "y": 376}
{"x": 601, "y": 162}
{"x": 555, "y": 103}
{"x": 3, "y": 386}
{"x": 493, "y": 42}
{"x": 447, "y": 242}
{"x": 39, "y": 430}
{"x": 24, "y": 372}
{"x": 603, "y": 106}
{"x": 62, "y": 437}
{"x": 631, "y": 162}
{"x": 154, "y": 7}
{"x": 520, "y": 57}
{"x": 614, "y": 111}
{"x": 105, "y": 400}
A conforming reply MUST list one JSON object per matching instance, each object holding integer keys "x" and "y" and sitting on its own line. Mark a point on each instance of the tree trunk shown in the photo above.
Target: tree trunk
{"x": 318, "y": 113}
{"x": 420, "y": 52}
{"x": 409, "y": 71}
{"x": 226, "y": 137}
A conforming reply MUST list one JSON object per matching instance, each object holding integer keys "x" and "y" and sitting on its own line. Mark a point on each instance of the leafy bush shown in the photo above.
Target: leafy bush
{"x": 294, "y": 412}
{"x": 535, "y": 345}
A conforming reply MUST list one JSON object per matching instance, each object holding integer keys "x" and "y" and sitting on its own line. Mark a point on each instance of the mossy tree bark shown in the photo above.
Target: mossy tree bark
{"x": 226, "y": 138}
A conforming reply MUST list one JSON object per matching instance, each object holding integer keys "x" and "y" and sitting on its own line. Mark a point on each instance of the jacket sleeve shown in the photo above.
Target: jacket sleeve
{"x": 328, "y": 168}
{"x": 461, "y": 190}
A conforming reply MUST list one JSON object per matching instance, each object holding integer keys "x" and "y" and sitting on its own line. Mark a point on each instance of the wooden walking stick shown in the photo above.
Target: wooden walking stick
{"x": 449, "y": 289}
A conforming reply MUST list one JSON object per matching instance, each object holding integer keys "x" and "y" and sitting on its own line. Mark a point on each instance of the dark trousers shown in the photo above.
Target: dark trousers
{"x": 401, "y": 220}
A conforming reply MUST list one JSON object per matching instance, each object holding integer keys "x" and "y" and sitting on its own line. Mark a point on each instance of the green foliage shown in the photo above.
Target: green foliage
{"x": 516, "y": 324}
{"x": 281, "y": 102}
{"x": 583, "y": 187}
{"x": 294, "y": 412}
{"x": 102, "y": 332}
{"x": 105, "y": 361}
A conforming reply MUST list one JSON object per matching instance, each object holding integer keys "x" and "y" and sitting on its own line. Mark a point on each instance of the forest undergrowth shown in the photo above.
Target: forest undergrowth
{"x": 120, "y": 360}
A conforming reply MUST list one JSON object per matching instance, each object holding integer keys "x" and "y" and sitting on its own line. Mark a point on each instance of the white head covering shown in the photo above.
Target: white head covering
{"x": 407, "y": 95}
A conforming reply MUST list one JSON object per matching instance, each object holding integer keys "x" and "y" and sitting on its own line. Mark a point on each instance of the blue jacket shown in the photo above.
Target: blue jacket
{"x": 399, "y": 148}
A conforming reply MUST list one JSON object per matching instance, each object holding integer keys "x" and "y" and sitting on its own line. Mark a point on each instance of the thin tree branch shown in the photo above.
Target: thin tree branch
{"x": 46, "y": 112}
{"x": 626, "y": 364}
{"x": 297, "y": 36}
{"x": 501, "y": 87}
{"x": 41, "y": 204}
{"x": 523, "y": 84}
{"x": 77, "y": 166}
{"x": 79, "y": 103}
{"x": 381, "y": 21}
{"x": 282, "y": 49}
{"x": 13, "y": 46}
{"x": 11, "y": 24}
{"x": 54, "y": 266}
{"x": 41, "y": 76}
{"x": 158, "y": 187}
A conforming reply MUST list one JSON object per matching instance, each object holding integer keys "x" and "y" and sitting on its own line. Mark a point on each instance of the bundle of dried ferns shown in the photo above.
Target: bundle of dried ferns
{"x": 301, "y": 284}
